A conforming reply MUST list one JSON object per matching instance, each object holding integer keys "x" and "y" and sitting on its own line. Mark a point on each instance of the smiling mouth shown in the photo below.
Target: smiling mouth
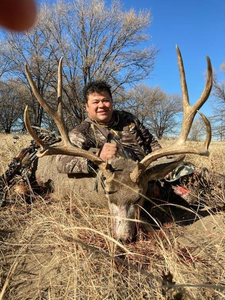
{"x": 102, "y": 112}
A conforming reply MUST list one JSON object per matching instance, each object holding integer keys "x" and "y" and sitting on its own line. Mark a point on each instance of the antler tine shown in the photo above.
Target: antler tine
{"x": 190, "y": 111}
{"x": 180, "y": 146}
{"x": 30, "y": 129}
{"x": 184, "y": 88}
{"x": 208, "y": 131}
{"x": 59, "y": 97}
{"x": 37, "y": 94}
{"x": 67, "y": 148}
{"x": 60, "y": 149}
{"x": 56, "y": 115}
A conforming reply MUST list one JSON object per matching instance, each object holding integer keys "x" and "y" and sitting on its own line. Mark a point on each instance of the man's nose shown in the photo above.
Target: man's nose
{"x": 101, "y": 104}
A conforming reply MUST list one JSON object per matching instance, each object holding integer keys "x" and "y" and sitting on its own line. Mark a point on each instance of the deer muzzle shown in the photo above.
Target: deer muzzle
{"x": 123, "y": 221}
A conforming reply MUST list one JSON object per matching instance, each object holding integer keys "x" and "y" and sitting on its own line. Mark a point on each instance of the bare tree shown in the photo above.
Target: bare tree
{"x": 218, "y": 118}
{"x": 155, "y": 108}
{"x": 101, "y": 42}
{"x": 218, "y": 124}
{"x": 219, "y": 87}
{"x": 138, "y": 99}
{"x": 32, "y": 50}
{"x": 162, "y": 118}
{"x": 197, "y": 132}
{"x": 10, "y": 105}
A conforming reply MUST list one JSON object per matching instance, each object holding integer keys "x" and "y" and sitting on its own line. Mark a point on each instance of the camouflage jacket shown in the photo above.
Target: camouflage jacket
{"x": 132, "y": 138}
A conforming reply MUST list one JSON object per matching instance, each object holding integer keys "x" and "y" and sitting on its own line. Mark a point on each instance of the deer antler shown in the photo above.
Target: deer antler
{"x": 67, "y": 147}
{"x": 180, "y": 147}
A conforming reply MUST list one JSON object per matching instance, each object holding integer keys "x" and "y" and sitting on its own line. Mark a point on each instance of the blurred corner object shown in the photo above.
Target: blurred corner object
{"x": 17, "y": 15}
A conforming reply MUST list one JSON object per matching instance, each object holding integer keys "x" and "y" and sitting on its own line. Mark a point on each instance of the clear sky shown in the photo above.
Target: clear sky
{"x": 198, "y": 28}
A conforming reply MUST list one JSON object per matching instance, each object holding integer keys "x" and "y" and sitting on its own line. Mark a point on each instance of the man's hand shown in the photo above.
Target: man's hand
{"x": 108, "y": 151}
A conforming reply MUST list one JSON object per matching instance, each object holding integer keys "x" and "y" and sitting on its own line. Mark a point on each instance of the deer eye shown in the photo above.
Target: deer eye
{"x": 110, "y": 192}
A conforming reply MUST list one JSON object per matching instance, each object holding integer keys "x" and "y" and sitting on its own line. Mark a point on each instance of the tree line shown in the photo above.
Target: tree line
{"x": 101, "y": 42}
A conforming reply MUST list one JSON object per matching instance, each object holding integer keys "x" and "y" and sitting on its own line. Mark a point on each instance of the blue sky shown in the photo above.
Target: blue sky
{"x": 198, "y": 28}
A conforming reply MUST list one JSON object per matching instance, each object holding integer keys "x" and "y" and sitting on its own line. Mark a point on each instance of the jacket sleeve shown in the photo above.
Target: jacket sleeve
{"x": 74, "y": 164}
{"x": 150, "y": 142}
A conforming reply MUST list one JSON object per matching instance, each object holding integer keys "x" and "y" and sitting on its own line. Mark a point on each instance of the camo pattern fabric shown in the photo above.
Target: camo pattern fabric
{"x": 183, "y": 169}
{"x": 132, "y": 138}
{"x": 197, "y": 185}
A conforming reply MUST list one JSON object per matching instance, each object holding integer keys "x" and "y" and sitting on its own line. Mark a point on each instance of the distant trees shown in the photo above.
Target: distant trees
{"x": 218, "y": 118}
{"x": 155, "y": 108}
{"x": 218, "y": 124}
{"x": 198, "y": 130}
{"x": 101, "y": 42}
{"x": 10, "y": 105}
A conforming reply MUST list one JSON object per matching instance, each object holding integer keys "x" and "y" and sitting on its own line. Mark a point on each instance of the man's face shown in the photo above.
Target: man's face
{"x": 99, "y": 107}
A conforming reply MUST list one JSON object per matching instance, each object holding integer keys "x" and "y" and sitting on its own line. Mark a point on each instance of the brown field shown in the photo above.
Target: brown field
{"x": 60, "y": 248}
{"x": 215, "y": 161}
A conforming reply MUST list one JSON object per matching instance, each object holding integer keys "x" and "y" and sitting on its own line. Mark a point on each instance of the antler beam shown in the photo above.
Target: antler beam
{"x": 67, "y": 147}
{"x": 180, "y": 147}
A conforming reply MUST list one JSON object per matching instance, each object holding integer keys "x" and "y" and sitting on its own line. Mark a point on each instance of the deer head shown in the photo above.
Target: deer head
{"x": 126, "y": 181}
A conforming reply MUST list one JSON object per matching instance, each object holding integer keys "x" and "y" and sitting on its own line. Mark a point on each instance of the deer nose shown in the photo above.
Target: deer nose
{"x": 125, "y": 235}
{"x": 127, "y": 239}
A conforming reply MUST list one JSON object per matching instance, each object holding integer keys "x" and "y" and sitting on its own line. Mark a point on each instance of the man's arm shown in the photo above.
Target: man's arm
{"x": 150, "y": 141}
{"x": 74, "y": 164}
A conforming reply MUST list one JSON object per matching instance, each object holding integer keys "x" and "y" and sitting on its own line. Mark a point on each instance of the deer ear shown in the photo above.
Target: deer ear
{"x": 161, "y": 168}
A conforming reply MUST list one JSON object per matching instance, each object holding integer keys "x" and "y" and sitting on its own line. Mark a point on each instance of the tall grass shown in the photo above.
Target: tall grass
{"x": 63, "y": 248}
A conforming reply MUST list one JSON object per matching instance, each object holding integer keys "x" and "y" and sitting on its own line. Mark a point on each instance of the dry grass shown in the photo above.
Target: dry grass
{"x": 63, "y": 249}
{"x": 216, "y": 160}
{"x": 10, "y": 147}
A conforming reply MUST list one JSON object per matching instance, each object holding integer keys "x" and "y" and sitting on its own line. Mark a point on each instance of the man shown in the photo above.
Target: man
{"x": 106, "y": 132}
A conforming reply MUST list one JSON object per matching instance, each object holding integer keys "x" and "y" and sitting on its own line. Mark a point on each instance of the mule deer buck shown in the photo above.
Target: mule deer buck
{"x": 124, "y": 181}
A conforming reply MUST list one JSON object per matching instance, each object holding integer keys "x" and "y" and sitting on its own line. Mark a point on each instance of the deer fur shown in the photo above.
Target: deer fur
{"x": 123, "y": 196}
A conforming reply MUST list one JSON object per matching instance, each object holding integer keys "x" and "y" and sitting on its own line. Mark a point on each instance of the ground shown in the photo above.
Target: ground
{"x": 60, "y": 248}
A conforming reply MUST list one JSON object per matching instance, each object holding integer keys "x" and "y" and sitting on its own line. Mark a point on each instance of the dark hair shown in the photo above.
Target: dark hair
{"x": 96, "y": 87}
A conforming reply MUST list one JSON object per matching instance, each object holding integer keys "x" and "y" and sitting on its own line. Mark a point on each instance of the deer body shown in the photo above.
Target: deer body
{"x": 121, "y": 194}
{"x": 47, "y": 176}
